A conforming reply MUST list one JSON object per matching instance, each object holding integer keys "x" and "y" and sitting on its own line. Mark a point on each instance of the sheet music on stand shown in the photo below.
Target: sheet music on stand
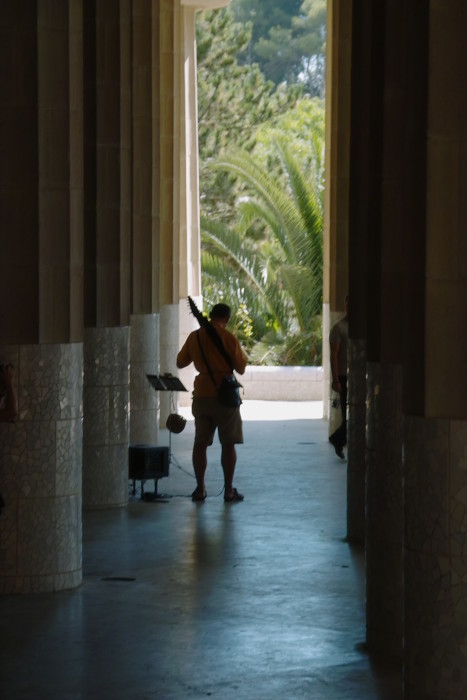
{"x": 165, "y": 382}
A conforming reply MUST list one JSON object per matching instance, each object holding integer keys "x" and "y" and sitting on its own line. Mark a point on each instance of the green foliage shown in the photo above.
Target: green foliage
{"x": 309, "y": 31}
{"x": 288, "y": 40}
{"x": 233, "y": 99}
{"x": 303, "y": 131}
{"x": 271, "y": 262}
{"x": 265, "y": 14}
{"x": 292, "y": 350}
{"x": 261, "y": 206}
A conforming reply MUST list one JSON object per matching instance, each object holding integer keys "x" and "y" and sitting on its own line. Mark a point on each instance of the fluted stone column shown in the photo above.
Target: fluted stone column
{"x": 105, "y": 425}
{"x": 40, "y": 467}
{"x": 384, "y": 598}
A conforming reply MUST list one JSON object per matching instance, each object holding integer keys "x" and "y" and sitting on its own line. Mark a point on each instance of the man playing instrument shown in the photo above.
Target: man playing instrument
{"x": 201, "y": 348}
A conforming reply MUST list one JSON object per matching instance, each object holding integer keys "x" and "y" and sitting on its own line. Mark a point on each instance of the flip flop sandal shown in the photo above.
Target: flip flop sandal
{"x": 198, "y": 495}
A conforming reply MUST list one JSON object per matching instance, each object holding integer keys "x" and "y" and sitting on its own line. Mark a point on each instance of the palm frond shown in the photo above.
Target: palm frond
{"x": 274, "y": 256}
{"x": 273, "y": 197}
{"x": 240, "y": 260}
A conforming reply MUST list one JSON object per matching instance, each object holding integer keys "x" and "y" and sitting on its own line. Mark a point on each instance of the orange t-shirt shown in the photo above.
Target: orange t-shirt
{"x": 190, "y": 352}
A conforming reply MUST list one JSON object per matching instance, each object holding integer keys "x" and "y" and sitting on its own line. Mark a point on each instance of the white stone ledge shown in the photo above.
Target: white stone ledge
{"x": 272, "y": 384}
{"x": 282, "y": 383}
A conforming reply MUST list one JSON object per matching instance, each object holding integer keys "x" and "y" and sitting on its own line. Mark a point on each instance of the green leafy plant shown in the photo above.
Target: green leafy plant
{"x": 271, "y": 261}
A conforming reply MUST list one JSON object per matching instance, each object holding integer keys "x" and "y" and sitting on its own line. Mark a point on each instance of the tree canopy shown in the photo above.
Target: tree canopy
{"x": 288, "y": 40}
{"x": 233, "y": 100}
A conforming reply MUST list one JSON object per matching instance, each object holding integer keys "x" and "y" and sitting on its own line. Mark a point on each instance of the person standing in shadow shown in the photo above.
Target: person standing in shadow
{"x": 202, "y": 348}
{"x": 338, "y": 350}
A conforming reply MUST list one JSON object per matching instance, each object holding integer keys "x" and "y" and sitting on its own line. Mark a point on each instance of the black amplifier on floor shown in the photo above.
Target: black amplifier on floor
{"x": 147, "y": 462}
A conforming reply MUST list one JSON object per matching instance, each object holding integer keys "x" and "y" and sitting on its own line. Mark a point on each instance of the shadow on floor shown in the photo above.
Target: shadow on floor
{"x": 262, "y": 599}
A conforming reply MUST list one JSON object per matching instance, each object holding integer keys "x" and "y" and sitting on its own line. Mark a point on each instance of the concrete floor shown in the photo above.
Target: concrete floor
{"x": 256, "y": 600}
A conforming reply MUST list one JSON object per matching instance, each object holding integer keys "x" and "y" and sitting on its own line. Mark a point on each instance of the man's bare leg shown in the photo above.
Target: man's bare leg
{"x": 228, "y": 460}
{"x": 200, "y": 462}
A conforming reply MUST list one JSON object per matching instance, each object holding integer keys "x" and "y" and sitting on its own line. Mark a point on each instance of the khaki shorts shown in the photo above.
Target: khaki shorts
{"x": 209, "y": 414}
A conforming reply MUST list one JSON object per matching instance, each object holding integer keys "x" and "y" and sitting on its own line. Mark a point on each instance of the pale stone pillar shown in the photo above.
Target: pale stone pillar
{"x": 40, "y": 464}
{"x": 105, "y": 425}
{"x": 336, "y": 196}
{"x": 326, "y": 360}
{"x": 188, "y": 323}
{"x": 188, "y": 242}
{"x": 169, "y": 347}
{"x": 144, "y": 359}
{"x": 168, "y": 145}
{"x": 179, "y": 258}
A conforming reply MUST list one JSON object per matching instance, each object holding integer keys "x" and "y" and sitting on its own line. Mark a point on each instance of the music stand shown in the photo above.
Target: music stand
{"x": 167, "y": 382}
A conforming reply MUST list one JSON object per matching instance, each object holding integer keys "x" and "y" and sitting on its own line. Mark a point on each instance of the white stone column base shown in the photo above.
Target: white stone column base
{"x": 41, "y": 458}
{"x": 435, "y": 558}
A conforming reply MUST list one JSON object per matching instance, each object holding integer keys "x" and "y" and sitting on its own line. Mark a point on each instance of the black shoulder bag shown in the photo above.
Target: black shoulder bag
{"x": 228, "y": 392}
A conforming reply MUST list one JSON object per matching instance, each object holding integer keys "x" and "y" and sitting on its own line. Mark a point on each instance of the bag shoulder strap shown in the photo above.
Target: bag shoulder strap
{"x": 221, "y": 348}
{"x": 205, "y": 360}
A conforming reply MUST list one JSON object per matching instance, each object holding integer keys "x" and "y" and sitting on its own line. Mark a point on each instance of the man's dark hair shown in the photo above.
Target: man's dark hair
{"x": 220, "y": 311}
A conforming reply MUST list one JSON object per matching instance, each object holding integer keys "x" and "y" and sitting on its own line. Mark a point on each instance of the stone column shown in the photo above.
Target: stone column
{"x": 167, "y": 146}
{"x": 107, "y": 273}
{"x": 40, "y": 464}
{"x": 360, "y": 196}
{"x": 384, "y": 518}
{"x": 435, "y": 437}
{"x": 105, "y": 425}
{"x": 336, "y": 204}
{"x": 41, "y": 280}
{"x": 144, "y": 359}
{"x": 179, "y": 259}
{"x": 188, "y": 236}
{"x": 150, "y": 194}
{"x": 435, "y": 558}
{"x": 169, "y": 347}
{"x": 356, "y": 457}
{"x": 385, "y": 329}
